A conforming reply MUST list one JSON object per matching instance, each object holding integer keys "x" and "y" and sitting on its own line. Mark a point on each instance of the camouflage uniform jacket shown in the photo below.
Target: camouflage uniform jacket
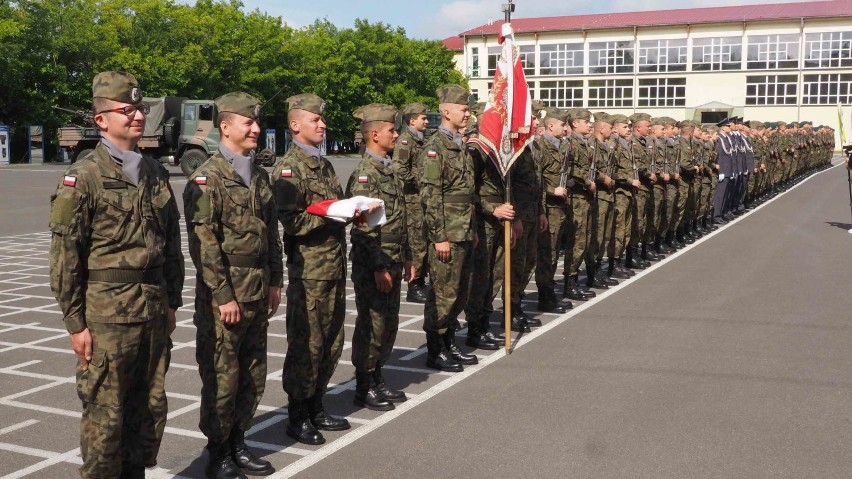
{"x": 447, "y": 190}
{"x": 315, "y": 246}
{"x": 604, "y": 161}
{"x": 623, "y": 173}
{"x": 115, "y": 255}
{"x": 658, "y": 152}
{"x": 640, "y": 149}
{"x": 671, "y": 157}
{"x": 687, "y": 157}
{"x": 379, "y": 247}
{"x": 406, "y": 161}
{"x": 551, "y": 170}
{"x": 490, "y": 187}
{"x": 233, "y": 232}
{"x": 581, "y": 154}
{"x": 526, "y": 186}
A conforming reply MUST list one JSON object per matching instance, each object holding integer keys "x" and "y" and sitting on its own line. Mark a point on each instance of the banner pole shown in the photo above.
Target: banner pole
{"x": 507, "y": 272}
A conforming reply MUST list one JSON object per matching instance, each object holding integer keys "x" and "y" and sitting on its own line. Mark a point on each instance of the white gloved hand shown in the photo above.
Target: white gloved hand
{"x": 721, "y": 177}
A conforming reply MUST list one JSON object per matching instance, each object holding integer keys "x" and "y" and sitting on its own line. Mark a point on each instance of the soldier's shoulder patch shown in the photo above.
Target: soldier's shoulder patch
{"x": 287, "y": 173}
{"x": 69, "y": 180}
{"x": 200, "y": 180}
{"x": 404, "y": 142}
{"x": 432, "y": 154}
{"x": 363, "y": 179}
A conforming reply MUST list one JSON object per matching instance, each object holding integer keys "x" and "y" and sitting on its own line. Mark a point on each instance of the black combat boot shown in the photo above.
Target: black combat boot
{"x": 616, "y": 270}
{"x": 633, "y": 261}
{"x": 417, "y": 291}
{"x": 130, "y": 471}
{"x": 367, "y": 395}
{"x": 435, "y": 357}
{"x": 572, "y": 290}
{"x": 392, "y": 395}
{"x": 299, "y": 425}
{"x": 323, "y": 420}
{"x": 220, "y": 465}
{"x": 519, "y": 319}
{"x": 518, "y": 311}
{"x": 449, "y": 339}
{"x": 547, "y": 301}
{"x": 699, "y": 227}
{"x": 486, "y": 330}
{"x": 708, "y": 224}
{"x": 246, "y": 460}
{"x": 648, "y": 254}
{"x": 602, "y": 279}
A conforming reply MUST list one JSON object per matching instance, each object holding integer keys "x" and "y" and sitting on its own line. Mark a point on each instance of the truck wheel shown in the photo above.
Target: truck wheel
{"x": 171, "y": 131}
{"x": 81, "y": 154}
{"x": 191, "y": 159}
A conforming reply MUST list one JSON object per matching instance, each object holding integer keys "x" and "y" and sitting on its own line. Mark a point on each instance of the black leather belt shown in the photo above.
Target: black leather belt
{"x": 394, "y": 239}
{"x": 241, "y": 261}
{"x": 116, "y": 275}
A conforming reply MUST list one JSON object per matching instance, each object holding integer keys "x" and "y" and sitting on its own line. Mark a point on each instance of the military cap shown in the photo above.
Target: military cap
{"x": 637, "y": 117}
{"x": 656, "y": 121}
{"x": 794, "y": 124}
{"x": 758, "y": 125}
{"x": 415, "y": 109}
{"x": 308, "y": 102}
{"x": 669, "y": 121}
{"x": 453, "y": 94}
{"x": 240, "y": 103}
{"x": 539, "y": 109}
{"x": 686, "y": 124}
{"x": 619, "y": 118}
{"x": 376, "y": 112}
{"x": 579, "y": 114}
{"x": 117, "y": 86}
{"x": 781, "y": 123}
{"x": 726, "y": 121}
{"x": 601, "y": 116}
{"x": 712, "y": 129}
{"x": 478, "y": 109}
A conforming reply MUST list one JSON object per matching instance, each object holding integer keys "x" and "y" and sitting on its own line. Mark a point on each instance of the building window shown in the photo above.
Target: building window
{"x": 493, "y": 58}
{"x": 827, "y": 89}
{"x": 561, "y": 94}
{"x": 527, "y": 57}
{"x": 771, "y": 90}
{"x": 771, "y": 52}
{"x": 662, "y": 55}
{"x": 662, "y": 92}
{"x": 710, "y": 54}
{"x": 561, "y": 59}
{"x": 610, "y": 93}
{"x": 611, "y": 57}
{"x": 828, "y": 50}
{"x": 474, "y": 62}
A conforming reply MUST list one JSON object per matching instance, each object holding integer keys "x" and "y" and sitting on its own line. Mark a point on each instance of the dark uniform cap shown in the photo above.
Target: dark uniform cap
{"x": 726, "y": 121}
{"x": 579, "y": 114}
{"x": 117, "y": 86}
{"x": 415, "y": 109}
{"x": 376, "y": 112}
{"x": 453, "y": 94}
{"x": 686, "y": 124}
{"x": 619, "y": 118}
{"x": 308, "y": 102}
{"x": 637, "y": 117}
{"x": 240, "y": 103}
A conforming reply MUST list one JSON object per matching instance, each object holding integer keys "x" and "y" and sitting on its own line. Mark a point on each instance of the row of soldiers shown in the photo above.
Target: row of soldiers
{"x": 622, "y": 188}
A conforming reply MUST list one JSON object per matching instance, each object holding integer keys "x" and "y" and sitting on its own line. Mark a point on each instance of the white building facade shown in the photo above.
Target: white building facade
{"x": 696, "y": 64}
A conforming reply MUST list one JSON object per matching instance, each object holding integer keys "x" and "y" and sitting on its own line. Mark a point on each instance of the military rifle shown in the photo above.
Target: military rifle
{"x": 82, "y": 114}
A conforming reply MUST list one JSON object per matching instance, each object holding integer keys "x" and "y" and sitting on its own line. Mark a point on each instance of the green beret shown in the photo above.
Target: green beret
{"x": 240, "y": 103}
{"x": 308, "y": 102}
{"x": 619, "y": 118}
{"x": 415, "y": 109}
{"x": 376, "y": 112}
{"x": 637, "y": 117}
{"x": 453, "y": 94}
{"x": 117, "y": 86}
{"x": 579, "y": 114}
{"x": 686, "y": 124}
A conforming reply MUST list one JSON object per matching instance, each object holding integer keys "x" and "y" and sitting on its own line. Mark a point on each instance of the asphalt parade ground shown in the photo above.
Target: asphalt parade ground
{"x": 730, "y": 358}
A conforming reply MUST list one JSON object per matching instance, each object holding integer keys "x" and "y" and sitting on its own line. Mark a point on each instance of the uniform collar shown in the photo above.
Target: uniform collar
{"x": 552, "y": 140}
{"x": 416, "y": 134}
{"x": 309, "y": 152}
{"x": 242, "y": 164}
{"x": 455, "y": 137}
{"x": 130, "y": 161}
{"x": 385, "y": 161}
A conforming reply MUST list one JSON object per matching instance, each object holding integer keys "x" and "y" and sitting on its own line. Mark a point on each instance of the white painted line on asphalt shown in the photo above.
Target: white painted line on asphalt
{"x": 71, "y": 456}
{"x": 20, "y": 425}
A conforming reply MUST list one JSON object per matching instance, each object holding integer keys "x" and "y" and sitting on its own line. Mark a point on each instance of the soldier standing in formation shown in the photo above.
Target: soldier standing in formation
{"x": 381, "y": 259}
{"x": 447, "y": 193}
{"x": 316, "y": 267}
{"x": 232, "y": 226}
{"x": 117, "y": 272}
{"x": 407, "y": 166}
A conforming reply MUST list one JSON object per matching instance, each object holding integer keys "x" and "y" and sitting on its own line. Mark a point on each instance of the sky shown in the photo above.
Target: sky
{"x": 438, "y": 19}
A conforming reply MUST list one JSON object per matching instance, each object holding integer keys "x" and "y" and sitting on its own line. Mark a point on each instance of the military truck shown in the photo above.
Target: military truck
{"x": 178, "y": 131}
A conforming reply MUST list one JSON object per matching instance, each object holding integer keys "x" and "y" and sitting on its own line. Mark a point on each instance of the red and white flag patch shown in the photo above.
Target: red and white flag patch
{"x": 404, "y": 142}
{"x": 286, "y": 173}
{"x": 362, "y": 179}
{"x": 69, "y": 181}
{"x": 200, "y": 180}
{"x": 432, "y": 154}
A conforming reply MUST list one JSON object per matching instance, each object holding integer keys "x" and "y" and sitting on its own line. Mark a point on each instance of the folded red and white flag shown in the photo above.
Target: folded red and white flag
{"x": 344, "y": 210}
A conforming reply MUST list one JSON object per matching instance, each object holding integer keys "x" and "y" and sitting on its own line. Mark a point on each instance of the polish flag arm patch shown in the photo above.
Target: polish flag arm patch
{"x": 200, "y": 180}
{"x": 288, "y": 173}
{"x": 432, "y": 154}
{"x": 362, "y": 179}
{"x": 404, "y": 142}
{"x": 69, "y": 181}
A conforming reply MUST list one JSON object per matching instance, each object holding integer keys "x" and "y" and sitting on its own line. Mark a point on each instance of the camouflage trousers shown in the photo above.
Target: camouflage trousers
{"x": 623, "y": 219}
{"x": 683, "y": 207}
{"x": 378, "y": 317}
{"x": 315, "y": 313}
{"x": 232, "y": 364}
{"x": 605, "y": 227}
{"x": 673, "y": 206}
{"x": 708, "y": 189}
{"x": 579, "y": 218}
{"x": 124, "y": 397}
{"x": 698, "y": 193}
{"x": 547, "y": 255}
{"x": 487, "y": 277}
{"x": 642, "y": 200}
{"x": 523, "y": 259}
{"x": 450, "y": 288}
{"x": 416, "y": 235}
{"x": 655, "y": 213}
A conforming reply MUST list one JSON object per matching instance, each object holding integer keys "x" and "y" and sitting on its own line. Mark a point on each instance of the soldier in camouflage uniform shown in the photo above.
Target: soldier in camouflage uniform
{"x": 674, "y": 204}
{"x": 316, "y": 266}
{"x": 643, "y": 196}
{"x": 656, "y": 215}
{"x": 626, "y": 179}
{"x": 116, "y": 270}
{"x": 406, "y": 155}
{"x": 604, "y": 163}
{"x": 447, "y": 191}
{"x": 686, "y": 154}
{"x": 381, "y": 259}
{"x": 232, "y": 225}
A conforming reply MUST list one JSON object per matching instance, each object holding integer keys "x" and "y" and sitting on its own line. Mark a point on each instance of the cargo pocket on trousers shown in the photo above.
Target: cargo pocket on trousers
{"x": 90, "y": 380}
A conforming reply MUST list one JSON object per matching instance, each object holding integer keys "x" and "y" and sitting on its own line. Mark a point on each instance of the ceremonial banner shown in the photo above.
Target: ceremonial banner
{"x": 841, "y": 129}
